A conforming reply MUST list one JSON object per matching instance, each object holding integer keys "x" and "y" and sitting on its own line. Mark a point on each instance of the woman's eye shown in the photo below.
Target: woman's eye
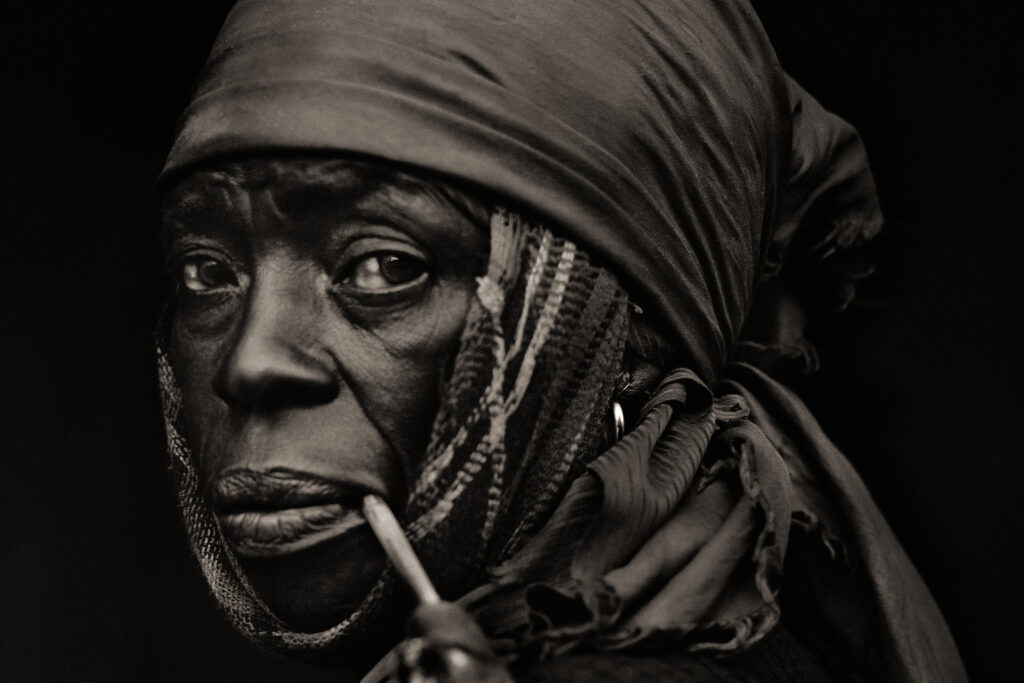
{"x": 385, "y": 271}
{"x": 203, "y": 274}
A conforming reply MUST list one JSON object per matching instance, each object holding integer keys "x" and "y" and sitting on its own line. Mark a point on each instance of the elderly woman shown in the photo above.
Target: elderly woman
{"x": 524, "y": 271}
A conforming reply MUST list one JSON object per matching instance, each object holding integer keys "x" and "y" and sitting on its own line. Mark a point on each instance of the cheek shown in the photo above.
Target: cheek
{"x": 405, "y": 360}
{"x": 198, "y": 341}
{"x": 195, "y": 359}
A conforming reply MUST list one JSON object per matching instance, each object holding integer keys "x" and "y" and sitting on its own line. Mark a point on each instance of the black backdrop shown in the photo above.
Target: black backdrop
{"x": 924, "y": 392}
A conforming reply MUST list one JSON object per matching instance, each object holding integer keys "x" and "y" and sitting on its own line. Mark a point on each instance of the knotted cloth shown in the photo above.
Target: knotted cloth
{"x": 668, "y": 156}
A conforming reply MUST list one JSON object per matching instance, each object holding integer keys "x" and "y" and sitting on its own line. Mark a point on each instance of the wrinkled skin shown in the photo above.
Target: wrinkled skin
{"x": 318, "y": 305}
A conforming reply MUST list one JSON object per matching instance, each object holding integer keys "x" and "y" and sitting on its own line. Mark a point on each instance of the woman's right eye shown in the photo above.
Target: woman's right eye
{"x": 203, "y": 273}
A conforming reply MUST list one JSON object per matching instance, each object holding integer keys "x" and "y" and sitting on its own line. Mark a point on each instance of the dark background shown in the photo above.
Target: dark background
{"x": 924, "y": 393}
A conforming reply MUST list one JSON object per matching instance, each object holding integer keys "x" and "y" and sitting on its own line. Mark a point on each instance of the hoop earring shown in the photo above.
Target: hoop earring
{"x": 619, "y": 420}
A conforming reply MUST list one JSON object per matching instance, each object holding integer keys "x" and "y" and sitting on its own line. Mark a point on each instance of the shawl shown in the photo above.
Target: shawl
{"x": 669, "y": 157}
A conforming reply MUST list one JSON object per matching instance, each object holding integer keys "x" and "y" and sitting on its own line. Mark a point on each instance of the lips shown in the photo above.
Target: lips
{"x": 275, "y": 512}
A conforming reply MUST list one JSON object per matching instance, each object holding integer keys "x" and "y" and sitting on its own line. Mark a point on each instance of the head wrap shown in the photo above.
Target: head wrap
{"x": 661, "y": 134}
{"x": 658, "y": 140}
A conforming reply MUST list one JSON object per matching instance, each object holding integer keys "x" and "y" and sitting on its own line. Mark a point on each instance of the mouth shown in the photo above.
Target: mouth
{"x": 269, "y": 513}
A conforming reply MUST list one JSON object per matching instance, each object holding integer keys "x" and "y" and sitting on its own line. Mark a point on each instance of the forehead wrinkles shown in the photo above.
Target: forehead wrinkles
{"x": 300, "y": 191}
{"x": 202, "y": 196}
{"x": 355, "y": 189}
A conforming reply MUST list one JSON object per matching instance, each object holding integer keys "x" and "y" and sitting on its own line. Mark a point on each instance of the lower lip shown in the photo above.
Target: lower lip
{"x": 271, "y": 533}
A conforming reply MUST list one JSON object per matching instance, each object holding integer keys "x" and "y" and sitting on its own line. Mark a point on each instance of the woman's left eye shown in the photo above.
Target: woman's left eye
{"x": 383, "y": 271}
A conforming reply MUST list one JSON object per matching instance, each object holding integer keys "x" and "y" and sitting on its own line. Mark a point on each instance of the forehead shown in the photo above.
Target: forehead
{"x": 302, "y": 192}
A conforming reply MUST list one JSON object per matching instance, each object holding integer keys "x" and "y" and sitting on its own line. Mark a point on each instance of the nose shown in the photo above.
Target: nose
{"x": 278, "y": 360}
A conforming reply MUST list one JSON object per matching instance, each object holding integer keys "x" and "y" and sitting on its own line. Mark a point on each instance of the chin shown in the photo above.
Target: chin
{"x": 314, "y": 588}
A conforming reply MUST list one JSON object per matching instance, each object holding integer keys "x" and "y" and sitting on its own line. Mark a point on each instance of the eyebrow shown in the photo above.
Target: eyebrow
{"x": 191, "y": 202}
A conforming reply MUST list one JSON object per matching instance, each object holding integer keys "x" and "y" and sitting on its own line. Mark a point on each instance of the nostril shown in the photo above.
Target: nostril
{"x": 275, "y": 381}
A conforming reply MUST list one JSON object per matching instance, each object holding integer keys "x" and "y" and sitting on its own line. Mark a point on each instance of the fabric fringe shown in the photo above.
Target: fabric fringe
{"x": 677, "y": 533}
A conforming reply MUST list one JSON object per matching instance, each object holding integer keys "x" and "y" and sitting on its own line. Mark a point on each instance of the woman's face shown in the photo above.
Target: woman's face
{"x": 318, "y": 307}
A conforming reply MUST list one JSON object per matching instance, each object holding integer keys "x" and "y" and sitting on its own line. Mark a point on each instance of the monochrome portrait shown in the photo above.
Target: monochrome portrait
{"x": 444, "y": 340}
